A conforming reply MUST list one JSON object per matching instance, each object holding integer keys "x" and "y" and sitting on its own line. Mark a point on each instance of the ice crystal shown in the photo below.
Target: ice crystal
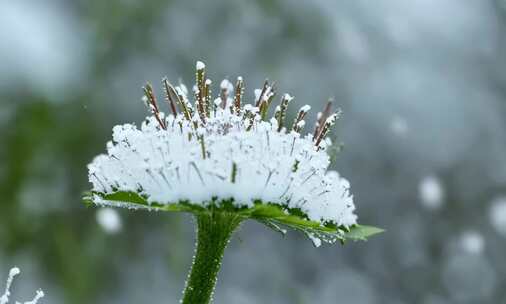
{"x": 4, "y": 299}
{"x": 221, "y": 150}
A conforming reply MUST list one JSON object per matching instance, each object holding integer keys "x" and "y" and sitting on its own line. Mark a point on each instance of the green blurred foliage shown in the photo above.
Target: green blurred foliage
{"x": 46, "y": 146}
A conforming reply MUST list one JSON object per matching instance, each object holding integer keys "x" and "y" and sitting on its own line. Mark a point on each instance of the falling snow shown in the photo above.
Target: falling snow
{"x": 431, "y": 192}
{"x": 109, "y": 220}
{"x": 472, "y": 242}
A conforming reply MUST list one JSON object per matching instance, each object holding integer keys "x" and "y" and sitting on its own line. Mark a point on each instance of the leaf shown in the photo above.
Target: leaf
{"x": 362, "y": 233}
{"x": 138, "y": 201}
{"x": 88, "y": 199}
{"x": 127, "y": 197}
{"x": 272, "y": 215}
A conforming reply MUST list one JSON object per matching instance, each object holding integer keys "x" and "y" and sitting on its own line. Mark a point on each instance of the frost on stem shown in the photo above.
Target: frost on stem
{"x": 225, "y": 150}
{"x": 4, "y": 299}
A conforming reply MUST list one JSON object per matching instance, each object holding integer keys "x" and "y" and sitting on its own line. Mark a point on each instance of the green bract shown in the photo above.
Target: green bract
{"x": 271, "y": 215}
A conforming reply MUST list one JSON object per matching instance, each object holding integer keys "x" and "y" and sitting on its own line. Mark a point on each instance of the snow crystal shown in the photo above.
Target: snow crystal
{"x": 317, "y": 242}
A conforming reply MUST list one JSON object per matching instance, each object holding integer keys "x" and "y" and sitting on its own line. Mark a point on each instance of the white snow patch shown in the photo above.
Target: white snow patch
{"x": 305, "y": 108}
{"x": 287, "y": 97}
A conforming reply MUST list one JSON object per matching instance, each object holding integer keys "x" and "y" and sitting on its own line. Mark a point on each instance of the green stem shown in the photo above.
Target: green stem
{"x": 214, "y": 230}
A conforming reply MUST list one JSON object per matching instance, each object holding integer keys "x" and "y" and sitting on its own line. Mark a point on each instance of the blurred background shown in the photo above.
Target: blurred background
{"x": 422, "y": 85}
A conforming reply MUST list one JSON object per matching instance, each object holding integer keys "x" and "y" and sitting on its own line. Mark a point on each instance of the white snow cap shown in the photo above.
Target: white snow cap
{"x": 231, "y": 155}
{"x": 4, "y": 299}
{"x": 305, "y": 108}
{"x": 200, "y": 65}
{"x": 226, "y": 85}
{"x": 287, "y": 97}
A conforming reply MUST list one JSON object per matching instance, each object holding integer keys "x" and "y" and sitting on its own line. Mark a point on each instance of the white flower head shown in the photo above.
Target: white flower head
{"x": 225, "y": 155}
{"x": 4, "y": 299}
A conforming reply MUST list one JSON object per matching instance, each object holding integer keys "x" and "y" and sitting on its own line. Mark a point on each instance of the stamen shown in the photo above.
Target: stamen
{"x": 148, "y": 91}
{"x": 298, "y": 123}
{"x": 207, "y": 97}
{"x": 239, "y": 92}
{"x": 282, "y": 110}
{"x": 168, "y": 95}
{"x": 329, "y": 122}
{"x": 322, "y": 116}
{"x": 200, "y": 102}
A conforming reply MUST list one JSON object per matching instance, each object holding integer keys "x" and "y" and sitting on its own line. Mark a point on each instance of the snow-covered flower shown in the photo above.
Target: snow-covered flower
{"x": 4, "y": 299}
{"x": 222, "y": 153}
{"x": 226, "y": 162}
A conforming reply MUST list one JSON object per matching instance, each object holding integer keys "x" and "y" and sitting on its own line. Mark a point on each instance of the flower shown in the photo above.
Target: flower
{"x": 221, "y": 153}
{"x": 4, "y": 299}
